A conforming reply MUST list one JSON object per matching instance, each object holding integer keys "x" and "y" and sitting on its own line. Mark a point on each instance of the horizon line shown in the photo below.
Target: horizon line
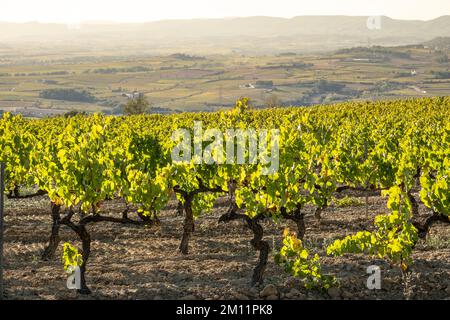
{"x": 211, "y": 18}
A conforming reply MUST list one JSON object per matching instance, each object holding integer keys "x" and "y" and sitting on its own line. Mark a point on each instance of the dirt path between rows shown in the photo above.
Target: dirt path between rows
{"x": 133, "y": 262}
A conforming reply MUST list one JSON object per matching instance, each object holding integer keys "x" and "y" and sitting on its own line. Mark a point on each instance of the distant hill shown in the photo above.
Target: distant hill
{"x": 440, "y": 43}
{"x": 251, "y": 34}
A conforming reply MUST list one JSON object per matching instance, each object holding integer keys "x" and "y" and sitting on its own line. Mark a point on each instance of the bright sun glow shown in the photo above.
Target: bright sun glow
{"x": 74, "y": 11}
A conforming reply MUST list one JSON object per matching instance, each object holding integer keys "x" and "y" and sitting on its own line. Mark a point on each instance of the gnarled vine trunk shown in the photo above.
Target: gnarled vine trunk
{"x": 299, "y": 218}
{"x": 263, "y": 248}
{"x": 81, "y": 231}
{"x": 414, "y": 203}
{"x": 257, "y": 242}
{"x": 424, "y": 227}
{"x": 49, "y": 251}
{"x": 86, "y": 245}
{"x": 188, "y": 227}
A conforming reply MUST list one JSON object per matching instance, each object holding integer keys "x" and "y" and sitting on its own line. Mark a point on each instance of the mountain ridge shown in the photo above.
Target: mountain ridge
{"x": 300, "y": 31}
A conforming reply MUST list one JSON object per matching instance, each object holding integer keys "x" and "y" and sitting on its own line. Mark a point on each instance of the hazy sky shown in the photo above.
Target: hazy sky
{"x": 73, "y": 11}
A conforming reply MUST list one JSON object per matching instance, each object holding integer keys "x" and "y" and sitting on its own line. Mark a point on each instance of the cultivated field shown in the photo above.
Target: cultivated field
{"x": 181, "y": 82}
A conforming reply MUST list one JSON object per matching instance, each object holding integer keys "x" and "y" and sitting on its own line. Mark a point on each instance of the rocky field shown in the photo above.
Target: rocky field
{"x": 134, "y": 262}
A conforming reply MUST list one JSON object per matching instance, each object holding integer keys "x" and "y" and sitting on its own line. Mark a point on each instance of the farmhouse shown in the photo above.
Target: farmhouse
{"x": 247, "y": 86}
{"x": 133, "y": 95}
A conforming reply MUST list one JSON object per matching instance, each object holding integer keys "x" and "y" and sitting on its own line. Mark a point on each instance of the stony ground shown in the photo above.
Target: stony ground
{"x": 133, "y": 262}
